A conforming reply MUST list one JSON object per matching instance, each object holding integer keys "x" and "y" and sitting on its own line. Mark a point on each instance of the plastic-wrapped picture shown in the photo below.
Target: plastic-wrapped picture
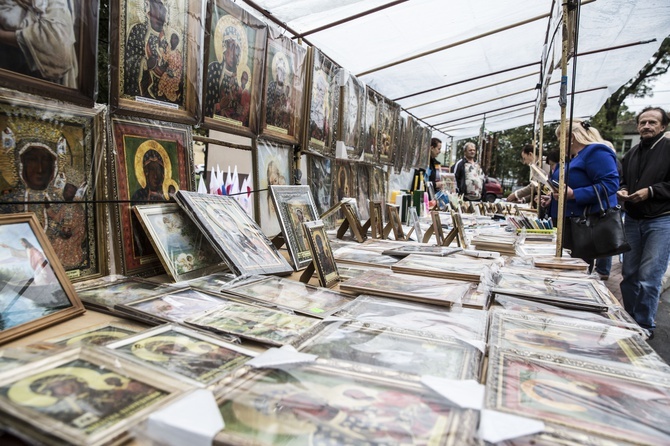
{"x": 154, "y": 58}
{"x": 233, "y": 79}
{"x": 352, "y": 117}
{"x": 273, "y": 168}
{"x": 387, "y": 115}
{"x": 57, "y": 53}
{"x": 151, "y": 161}
{"x": 285, "y": 68}
{"x": 363, "y": 189}
{"x": 322, "y": 256}
{"x": 372, "y": 99}
{"x": 399, "y": 143}
{"x": 233, "y": 234}
{"x": 324, "y": 101}
{"x": 320, "y": 181}
{"x": 378, "y": 185}
{"x": 50, "y": 152}
{"x": 343, "y": 180}
{"x": 408, "y": 143}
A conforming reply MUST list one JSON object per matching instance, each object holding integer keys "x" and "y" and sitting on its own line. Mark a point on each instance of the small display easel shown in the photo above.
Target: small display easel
{"x": 394, "y": 223}
{"x": 456, "y": 232}
{"x": 351, "y": 221}
{"x": 376, "y": 221}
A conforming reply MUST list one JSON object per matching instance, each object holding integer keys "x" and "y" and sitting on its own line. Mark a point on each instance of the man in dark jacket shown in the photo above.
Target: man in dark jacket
{"x": 469, "y": 176}
{"x": 645, "y": 191}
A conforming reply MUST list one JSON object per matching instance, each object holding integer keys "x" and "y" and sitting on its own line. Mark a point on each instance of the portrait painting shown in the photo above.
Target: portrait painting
{"x": 324, "y": 100}
{"x": 183, "y": 351}
{"x": 322, "y": 255}
{"x": 183, "y": 250}
{"x": 50, "y": 48}
{"x": 321, "y": 181}
{"x": 285, "y": 73}
{"x": 352, "y": 117}
{"x": 320, "y": 405}
{"x": 372, "y": 99}
{"x": 47, "y": 166}
{"x": 82, "y": 396}
{"x": 343, "y": 180}
{"x": 151, "y": 161}
{"x": 363, "y": 189}
{"x": 387, "y": 115}
{"x": 154, "y": 58}
{"x": 294, "y": 205}
{"x": 233, "y": 234}
{"x": 34, "y": 290}
{"x": 273, "y": 168}
{"x": 235, "y": 54}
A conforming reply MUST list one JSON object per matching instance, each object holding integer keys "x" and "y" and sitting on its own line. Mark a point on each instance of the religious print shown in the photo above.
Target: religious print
{"x": 320, "y": 181}
{"x": 47, "y": 160}
{"x": 372, "y": 103}
{"x": 363, "y": 189}
{"x": 35, "y": 291}
{"x": 285, "y": 70}
{"x": 154, "y": 50}
{"x": 235, "y": 56}
{"x": 152, "y": 160}
{"x": 343, "y": 180}
{"x": 352, "y": 117}
{"x": 324, "y": 100}
{"x": 55, "y": 48}
{"x": 322, "y": 256}
{"x": 399, "y": 143}
{"x": 273, "y": 168}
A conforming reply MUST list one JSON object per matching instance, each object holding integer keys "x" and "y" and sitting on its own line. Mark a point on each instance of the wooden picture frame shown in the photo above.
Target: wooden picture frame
{"x": 387, "y": 116}
{"x": 596, "y": 398}
{"x": 155, "y": 63}
{"x": 233, "y": 234}
{"x": 235, "y": 57}
{"x": 67, "y": 68}
{"x": 182, "y": 249}
{"x": 395, "y": 222}
{"x": 376, "y": 220}
{"x": 37, "y": 292}
{"x": 74, "y": 139}
{"x": 272, "y": 163}
{"x": 294, "y": 206}
{"x": 139, "y": 148}
{"x": 352, "y": 221}
{"x": 83, "y": 395}
{"x": 322, "y": 256}
{"x": 324, "y": 101}
{"x": 189, "y": 354}
{"x": 285, "y": 75}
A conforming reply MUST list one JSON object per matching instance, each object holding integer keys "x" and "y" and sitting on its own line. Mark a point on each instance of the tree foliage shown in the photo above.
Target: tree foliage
{"x": 614, "y": 110}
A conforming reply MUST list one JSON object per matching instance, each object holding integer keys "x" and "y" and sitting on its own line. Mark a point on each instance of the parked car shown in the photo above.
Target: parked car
{"x": 492, "y": 189}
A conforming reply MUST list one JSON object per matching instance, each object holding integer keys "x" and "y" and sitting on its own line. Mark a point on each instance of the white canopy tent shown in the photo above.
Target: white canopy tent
{"x": 454, "y": 64}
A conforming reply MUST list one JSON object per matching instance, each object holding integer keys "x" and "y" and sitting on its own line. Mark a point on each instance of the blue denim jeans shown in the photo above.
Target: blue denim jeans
{"x": 644, "y": 266}
{"x": 604, "y": 266}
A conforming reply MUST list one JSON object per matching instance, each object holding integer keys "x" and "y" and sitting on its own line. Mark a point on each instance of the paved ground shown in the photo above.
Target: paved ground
{"x": 661, "y": 341}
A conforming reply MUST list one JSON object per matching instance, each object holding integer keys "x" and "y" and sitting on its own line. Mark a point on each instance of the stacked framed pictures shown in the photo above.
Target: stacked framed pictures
{"x": 235, "y": 52}
{"x": 36, "y": 292}
{"x": 233, "y": 234}
{"x": 294, "y": 206}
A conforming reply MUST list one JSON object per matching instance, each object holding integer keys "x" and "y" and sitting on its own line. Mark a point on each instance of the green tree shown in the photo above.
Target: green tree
{"x": 614, "y": 111}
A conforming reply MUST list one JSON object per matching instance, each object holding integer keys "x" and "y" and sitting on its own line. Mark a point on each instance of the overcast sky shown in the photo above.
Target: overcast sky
{"x": 660, "y": 98}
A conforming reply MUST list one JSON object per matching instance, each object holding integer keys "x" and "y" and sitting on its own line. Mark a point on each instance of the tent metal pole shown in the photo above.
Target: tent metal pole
{"x": 349, "y": 19}
{"x": 473, "y": 90}
{"x": 430, "y": 90}
{"x": 617, "y": 47}
{"x": 452, "y": 45}
{"x": 497, "y": 120}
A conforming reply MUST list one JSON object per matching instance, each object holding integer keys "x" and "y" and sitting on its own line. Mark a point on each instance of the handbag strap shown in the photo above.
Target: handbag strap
{"x": 603, "y": 209}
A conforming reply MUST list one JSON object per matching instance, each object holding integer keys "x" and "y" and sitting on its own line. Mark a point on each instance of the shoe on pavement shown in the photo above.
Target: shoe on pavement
{"x": 603, "y": 277}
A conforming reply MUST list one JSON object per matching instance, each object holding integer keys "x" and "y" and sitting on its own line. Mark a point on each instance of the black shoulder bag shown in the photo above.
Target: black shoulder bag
{"x": 601, "y": 234}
